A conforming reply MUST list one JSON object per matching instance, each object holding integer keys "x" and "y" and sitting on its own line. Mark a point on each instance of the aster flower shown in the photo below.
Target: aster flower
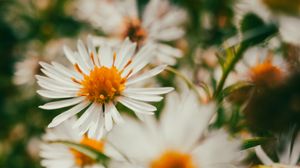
{"x": 159, "y": 23}
{"x": 259, "y": 66}
{"x": 55, "y": 154}
{"x": 179, "y": 139}
{"x": 288, "y": 158}
{"x": 287, "y": 24}
{"x": 98, "y": 82}
{"x": 26, "y": 69}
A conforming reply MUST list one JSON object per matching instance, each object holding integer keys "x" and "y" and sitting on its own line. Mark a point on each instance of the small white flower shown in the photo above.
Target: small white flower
{"x": 159, "y": 23}
{"x": 98, "y": 82}
{"x": 56, "y": 155}
{"x": 179, "y": 139}
{"x": 259, "y": 66}
{"x": 288, "y": 158}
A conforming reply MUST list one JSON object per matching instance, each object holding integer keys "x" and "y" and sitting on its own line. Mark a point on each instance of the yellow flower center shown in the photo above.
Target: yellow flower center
{"x": 173, "y": 159}
{"x": 266, "y": 74}
{"x": 102, "y": 84}
{"x": 83, "y": 160}
{"x": 135, "y": 31}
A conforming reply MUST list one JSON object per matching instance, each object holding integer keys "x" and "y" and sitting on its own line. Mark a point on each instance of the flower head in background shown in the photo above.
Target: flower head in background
{"x": 263, "y": 68}
{"x": 35, "y": 51}
{"x": 59, "y": 155}
{"x": 98, "y": 82}
{"x": 179, "y": 139}
{"x": 260, "y": 66}
{"x": 288, "y": 157}
{"x": 159, "y": 23}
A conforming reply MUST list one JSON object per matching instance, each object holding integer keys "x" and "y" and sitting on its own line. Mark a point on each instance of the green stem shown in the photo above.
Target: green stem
{"x": 230, "y": 67}
{"x": 190, "y": 84}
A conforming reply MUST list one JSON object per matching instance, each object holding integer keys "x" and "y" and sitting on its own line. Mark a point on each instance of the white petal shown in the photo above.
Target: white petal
{"x": 146, "y": 75}
{"x": 67, "y": 114}
{"x": 217, "y": 144}
{"x": 56, "y": 74}
{"x": 56, "y": 95}
{"x": 84, "y": 54}
{"x": 60, "y": 68}
{"x": 136, "y": 106}
{"x": 62, "y": 103}
{"x": 169, "y": 34}
{"x": 264, "y": 158}
{"x": 57, "y": 84}
{"x": 58, "y": 78}
{"x": 84, "y": 122}
{"x": 56, "y": 87}
{"x": 296, "y": 151}
{"x": 69, "y": 54}
{"x": 115, "y": 113}
{"x": 141, "y": 59}
{"x": 149, "y": 91}
{"x": 108, "y": 120}
{"x": 91, "y": 49}
{"x": 85, "y": 69}
{"x": 168, "y": 50}
{"x": 106, "y": 56}
{"x": 125, "y": 53}
{"x": 142, "y": 97}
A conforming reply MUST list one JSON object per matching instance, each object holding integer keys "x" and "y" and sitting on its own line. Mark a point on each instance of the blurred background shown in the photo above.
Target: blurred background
{"x": 35, "y": 30}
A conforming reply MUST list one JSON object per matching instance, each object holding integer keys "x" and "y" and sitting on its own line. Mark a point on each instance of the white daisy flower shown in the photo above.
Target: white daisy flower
{"x": 159, "y": 23}
{"x": 287, "y": 24}
{"x": 35, "y": 51}
{"x": 179, "y": 139}
{"x": 288, "y": 158}
{"x": 59, "y": 155}
{"x": 259, "y": 66}
{"x": 98, "y": 82}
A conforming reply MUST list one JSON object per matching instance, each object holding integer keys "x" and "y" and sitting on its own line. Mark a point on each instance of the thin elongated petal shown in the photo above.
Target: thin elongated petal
{"x": 63, "y": 70}
{"x": 146, "y": 75}
{"x": 108, "y": 120}
{"x": 84, "y": 54}
{"x": 62, "y": 103}
{"x": 264, "y": 158}
{"x": 136, "y": 106}
{"x": 69, "y": 54}
{"x": 84, "y": 122}
{"x": 56, "y": 95}
{"x": 106, "y": 56}
{"x": 67, "y": 114}
{"x": 114, "y": 113}
{"x": 149, "y": 91}
{"x": 141, "y": 97}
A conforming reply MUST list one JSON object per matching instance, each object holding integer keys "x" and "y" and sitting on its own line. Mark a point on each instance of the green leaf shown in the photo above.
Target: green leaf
{"x": 86, "y": 150}
{"x": 249, "y": 143}
{"x": 230, "y": 54}
{"x": 255, "y": 31}
{"x": 235, "y": 87}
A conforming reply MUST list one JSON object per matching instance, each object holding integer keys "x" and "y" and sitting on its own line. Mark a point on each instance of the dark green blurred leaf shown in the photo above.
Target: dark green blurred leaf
{"x": 255, "y": 31}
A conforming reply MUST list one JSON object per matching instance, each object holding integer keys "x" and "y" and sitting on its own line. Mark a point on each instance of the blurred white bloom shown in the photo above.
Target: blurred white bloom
{"x": 288, "y": 158}
{"x": 259, "y": 66}
{"x": 179, "y": 139}
{"x": 288, "y": 24}
{"x": 98, "y": 82}
{"x": 55, "y": 155}
{"x": 25, "y": 71}
{"x": 160, "y": 22}
{"x": 35, "y": 52}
